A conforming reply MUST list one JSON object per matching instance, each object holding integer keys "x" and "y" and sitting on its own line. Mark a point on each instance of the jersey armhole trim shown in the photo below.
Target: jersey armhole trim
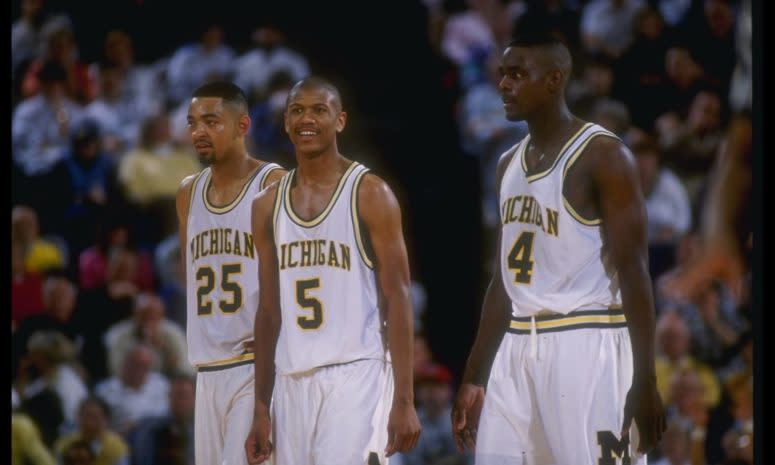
{"x": 192, "y": 193}
{"x": 357, "y": 221}
{"x": 278, "y": 202}
{"x": 265, "y": 177}
{"x": 571, "y": 160}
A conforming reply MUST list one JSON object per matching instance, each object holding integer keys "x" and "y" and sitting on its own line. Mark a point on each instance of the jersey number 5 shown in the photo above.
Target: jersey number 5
{"x": 204, "y": 304}
{"x": 520, "y": 258}
{"x": 309, "y": 303}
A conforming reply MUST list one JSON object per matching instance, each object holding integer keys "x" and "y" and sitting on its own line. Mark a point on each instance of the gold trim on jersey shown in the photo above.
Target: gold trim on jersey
{"x": 278, "y": 200}
{"x": 331, "y": 202}
{"x": 230, "y": 206}
{"x": 543, "y": 174}
{"x": 272, "y": 167}
{"x": 192, "y": 194}
{"x": 613, "y": 318}
{"x": 239, "y": 358}
{"x": 571, "y": 160}
{"x": 356, "y": 220}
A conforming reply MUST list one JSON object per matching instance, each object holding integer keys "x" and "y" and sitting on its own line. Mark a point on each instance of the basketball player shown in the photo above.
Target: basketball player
{"x": 571, "y": 362}
{"x": 221, "y": 265}
{"x": 333, "y": 268}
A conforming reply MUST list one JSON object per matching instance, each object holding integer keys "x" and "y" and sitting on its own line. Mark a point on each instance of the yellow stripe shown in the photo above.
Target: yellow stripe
{"x": 265, "y": 176}
{"x": 318, "y": 219}
{"x": 356, "y": 220}
{"x": 277, "y": 202}
{"x": 233, "y": 203}
{"x": 239, "y": 358}
{"x": 570, "y": 142}
{"x": 573, "y": 320}
{"x": 576, "y": 154}
{"x": 193, "y": 192}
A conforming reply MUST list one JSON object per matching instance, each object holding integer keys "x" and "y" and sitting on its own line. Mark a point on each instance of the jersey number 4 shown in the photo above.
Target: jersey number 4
{"x": 207, "y": 275}
{"x": 520, "y": 258}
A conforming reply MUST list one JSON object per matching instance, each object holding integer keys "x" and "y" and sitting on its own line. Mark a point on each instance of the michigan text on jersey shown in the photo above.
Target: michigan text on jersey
{"x": 222, "y": 241}
{"x": 318, "y": 252}
{"x": 529, "y": 212}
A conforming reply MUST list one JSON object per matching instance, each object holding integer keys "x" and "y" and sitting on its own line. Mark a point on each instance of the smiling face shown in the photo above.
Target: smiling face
{"x": 215, "y": 128}
{"x": 313, "y": 117}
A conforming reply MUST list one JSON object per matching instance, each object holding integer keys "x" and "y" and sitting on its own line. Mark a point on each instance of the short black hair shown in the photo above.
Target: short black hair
{"x": 537, "y": 37}
{"x": 225, "y": 90}
{"x": 317, "y": 82}
{"x": 548, "y": 40}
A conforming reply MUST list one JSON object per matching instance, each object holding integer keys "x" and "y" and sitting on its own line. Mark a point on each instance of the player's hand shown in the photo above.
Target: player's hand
{"x": 258, "y": 447}
{"x": 403, "y": 428}
{"x": 644, "y": 405}
{"x": 465, "y": 415}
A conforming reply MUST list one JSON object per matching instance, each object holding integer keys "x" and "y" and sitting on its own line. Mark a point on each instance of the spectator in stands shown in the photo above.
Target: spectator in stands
{"x": 689, "y": 411}
{"x": 142, "y": 83}
{"x": 674, "y": 446}
{"x": 26, "y": 34}
{"x": 193, "y": 64}
{"x": 168, "y": 439}
{"x": 690, "y": 144}
{"x": 117, "y": 111}
{"x": 148, "y": 325}
{"x": 612, "y": 115}
{"x": 172, "y": 278}
{"x": 86, "y": 185}
{"x": 59, "y": 45}
{"x": 673, "y": 343}
{"x": 137, "y": 392}
{"x": 27, "y": 448}
{"x": 434, "y": 405}
{"x": 49, "y": 364}
{"x": 107, "y": 447}
{"x": 267, "y": 118}
{"x": 269, "y": 56}
{"x": 41, "y": 125}
{"x": 641, "y": 78}
{"x": 26, "y": 288}
{"x": 667, "y": 203}
{"x": 59, "y": 297}
{"x": 132, "y": 265}
{"x": 606, "y": 25}
{"x": 40, "y": 254}
{"x": 594, "y": 85}
{"x": 78, "y": 453}
{"x": 738, "y": 440}
{"x": 151, "y": 173}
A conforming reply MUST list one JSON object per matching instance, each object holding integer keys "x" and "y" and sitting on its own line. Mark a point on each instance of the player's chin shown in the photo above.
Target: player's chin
{"x": 206, "y": 158}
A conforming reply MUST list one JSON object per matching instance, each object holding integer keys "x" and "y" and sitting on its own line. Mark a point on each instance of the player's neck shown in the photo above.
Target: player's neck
{"x": 552, "y": 123}
{"x": 235, "y": 167}
{"x": 322, "y": 169}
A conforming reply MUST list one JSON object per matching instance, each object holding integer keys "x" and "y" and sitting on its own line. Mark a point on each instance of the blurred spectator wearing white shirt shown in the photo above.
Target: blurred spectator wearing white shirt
{"x": 270, "y": 55}
{"x": 137, "y": 393}
{"x": 193, "y": 64}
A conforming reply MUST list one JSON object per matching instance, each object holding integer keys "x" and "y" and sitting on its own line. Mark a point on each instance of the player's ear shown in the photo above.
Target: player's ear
{"x": 555, "y": 80}
{"x": 244, "y": 124}
{"x": 341, "y": 121}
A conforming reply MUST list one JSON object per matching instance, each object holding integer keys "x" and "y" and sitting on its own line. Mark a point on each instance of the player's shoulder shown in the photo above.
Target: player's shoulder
{"x": 186, "y": 185}
{"x": 505, "y": 158}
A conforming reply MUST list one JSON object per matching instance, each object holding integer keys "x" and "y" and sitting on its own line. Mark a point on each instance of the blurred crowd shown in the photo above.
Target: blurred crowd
{"x": 99, "y": 363}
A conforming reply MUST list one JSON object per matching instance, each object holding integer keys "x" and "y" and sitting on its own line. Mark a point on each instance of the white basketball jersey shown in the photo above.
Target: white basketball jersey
{"x": 221, "y": 274}
{"x": 328, "y": 289}
{"x": 551, "y": 258}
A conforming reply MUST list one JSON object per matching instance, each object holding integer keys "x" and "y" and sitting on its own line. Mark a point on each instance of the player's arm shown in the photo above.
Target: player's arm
{"x": 267, "y": 324}
{"x": 623, "y": 213}
{"x": 182, "y": 204}
{"x": 492, "y": 326}
{"x": 381, "y": 216}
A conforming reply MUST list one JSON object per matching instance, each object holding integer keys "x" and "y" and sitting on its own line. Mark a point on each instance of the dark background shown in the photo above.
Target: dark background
{"x": 400, "y": 121}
